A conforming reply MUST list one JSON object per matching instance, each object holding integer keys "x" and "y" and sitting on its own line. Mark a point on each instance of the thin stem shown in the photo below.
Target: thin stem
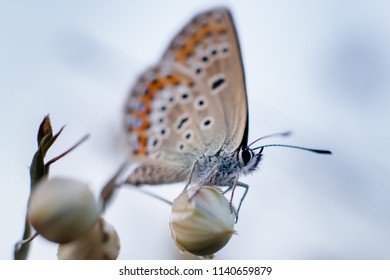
{"x": 31, "y": 238}
{"x": 152, "y": 194}
{"x": 22, "y": 247}
{"x": 68, "y": 151}
{"x": 21, "y": 250}
{"x": 114, "y": 183}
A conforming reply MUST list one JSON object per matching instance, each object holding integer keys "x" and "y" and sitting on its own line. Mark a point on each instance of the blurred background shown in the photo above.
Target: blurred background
{"x": 318, "y": 68}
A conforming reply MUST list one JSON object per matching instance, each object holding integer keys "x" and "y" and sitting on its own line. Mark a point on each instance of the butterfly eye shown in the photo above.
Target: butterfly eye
{"x": 246, "y": 155}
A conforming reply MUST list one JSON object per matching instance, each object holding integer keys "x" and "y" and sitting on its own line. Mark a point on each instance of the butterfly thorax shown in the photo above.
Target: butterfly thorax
{"x": 223, "y": 168}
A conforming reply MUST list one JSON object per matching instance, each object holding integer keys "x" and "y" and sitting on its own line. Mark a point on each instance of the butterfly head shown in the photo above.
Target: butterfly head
{"x": 248, "y": 160}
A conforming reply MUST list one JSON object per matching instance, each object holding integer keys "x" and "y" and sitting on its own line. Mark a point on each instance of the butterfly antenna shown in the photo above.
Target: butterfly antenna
{"x": 295, "y": 147}
{"x": 282, "y": 134}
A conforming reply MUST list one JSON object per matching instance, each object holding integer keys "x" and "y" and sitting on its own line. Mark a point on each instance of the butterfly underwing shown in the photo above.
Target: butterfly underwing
{"x": 188, "y": 114}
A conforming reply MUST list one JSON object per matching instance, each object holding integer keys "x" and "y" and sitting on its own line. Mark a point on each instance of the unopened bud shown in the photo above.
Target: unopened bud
{"x": 62, "y": 209}
{"x": 99, "y": 243}
{"x": 202, "y": 221}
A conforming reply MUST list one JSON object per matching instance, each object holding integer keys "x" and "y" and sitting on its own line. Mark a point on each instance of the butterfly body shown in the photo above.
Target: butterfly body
{"x": 221, "y": 169}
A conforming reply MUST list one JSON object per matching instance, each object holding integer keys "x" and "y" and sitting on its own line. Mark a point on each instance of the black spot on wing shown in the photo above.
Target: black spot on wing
{"x": 216, "y": 84}
{"x": 182, "y": 122}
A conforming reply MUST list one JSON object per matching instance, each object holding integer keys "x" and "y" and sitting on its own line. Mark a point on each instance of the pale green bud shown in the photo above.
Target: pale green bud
{"x": 202, "y": 221}
{"x": 62, "y": 209}
{"x": 99, "y": 243}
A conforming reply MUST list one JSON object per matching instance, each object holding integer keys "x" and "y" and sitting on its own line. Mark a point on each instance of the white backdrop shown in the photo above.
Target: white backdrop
{"x": 318, "y": 68}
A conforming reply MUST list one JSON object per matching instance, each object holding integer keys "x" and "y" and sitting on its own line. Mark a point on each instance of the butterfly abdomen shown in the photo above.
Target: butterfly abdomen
{"x": 156, "y": 175}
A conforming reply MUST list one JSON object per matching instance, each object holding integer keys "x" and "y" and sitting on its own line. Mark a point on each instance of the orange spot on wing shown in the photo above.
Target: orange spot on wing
{"x": 212, "y": 29}
{"x": 142, "y": 148}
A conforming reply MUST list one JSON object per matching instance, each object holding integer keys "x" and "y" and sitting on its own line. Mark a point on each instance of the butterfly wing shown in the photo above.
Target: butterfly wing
{"x": 191, "y": 104}
{"x": 169, "y": 122}
{"x": 208, "y": 47}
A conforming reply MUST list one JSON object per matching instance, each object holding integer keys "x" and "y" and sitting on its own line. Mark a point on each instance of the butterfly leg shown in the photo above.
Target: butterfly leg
{"x": 195, "y": 165}
{"x": 212, "y": 172}
{"x": 246, "y": 187}
{"x": 227, "y": 190}
{"x": 232, "y": 188}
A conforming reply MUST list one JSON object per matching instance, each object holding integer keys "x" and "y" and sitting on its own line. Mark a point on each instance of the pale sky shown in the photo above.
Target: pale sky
{"x": 318, "y": 68}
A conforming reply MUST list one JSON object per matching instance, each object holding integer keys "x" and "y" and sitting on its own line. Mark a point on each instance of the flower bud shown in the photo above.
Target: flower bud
{"x": 99, "y": 243}
{"x": 202, "y": 221}
{"x": 62, "y": 209}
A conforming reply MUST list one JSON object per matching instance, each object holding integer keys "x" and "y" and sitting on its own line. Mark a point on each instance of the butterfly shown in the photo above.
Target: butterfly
{"x": 186, "y": 118}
